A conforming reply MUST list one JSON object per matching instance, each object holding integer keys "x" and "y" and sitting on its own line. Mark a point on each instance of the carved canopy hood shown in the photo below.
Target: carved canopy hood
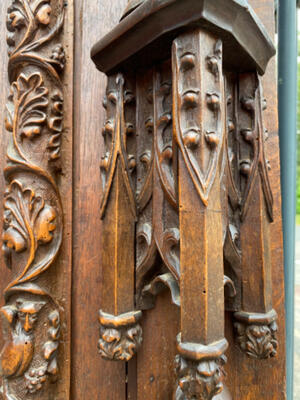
{"x": 185, "y": 183}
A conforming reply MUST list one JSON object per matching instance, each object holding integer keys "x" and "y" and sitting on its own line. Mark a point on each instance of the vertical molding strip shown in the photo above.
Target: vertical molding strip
{"x": 287, "y": 96}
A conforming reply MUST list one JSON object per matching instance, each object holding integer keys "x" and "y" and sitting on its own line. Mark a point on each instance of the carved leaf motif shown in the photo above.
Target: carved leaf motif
{"x": 257, "y": 341}
{"x": 16, "y": 16}
{"x": 24, "y": 19}
{"x": 28, "y": 223}
{"x": 31, "y": 219}
{"x": 42, "y": 10}
{"x": 120, "y": 344}
{"x": 159, "y": 284}
{"x": 55, "y": 123}
{"x": 27, "y": 104}
{"x": 27, "y": 11}
{"x": 198, "y": 380}
{"x": 146, "y": 247}
{"x": 29, "y": 14}
{"x": 15, "y": 20}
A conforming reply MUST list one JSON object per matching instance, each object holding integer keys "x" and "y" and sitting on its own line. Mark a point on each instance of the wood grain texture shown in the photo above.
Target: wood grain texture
{"x": 266, "y": 379}
{"x": 139, "y": 40}
{"x": 91, "y": 376}
{"x": 151, "y": 375}
{"x": 5, "y": 272}
{"x": 155, "y": 361}
{"x": 247, "y": 378}
{"x": 37, "y": 240}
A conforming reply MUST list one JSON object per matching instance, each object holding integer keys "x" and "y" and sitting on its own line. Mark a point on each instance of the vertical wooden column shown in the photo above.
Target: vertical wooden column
{"x": 120, "y": 333}
{"x": 199, "y": 121}
{"x": 256, "y": 326}
{"x": 37, "y": 221}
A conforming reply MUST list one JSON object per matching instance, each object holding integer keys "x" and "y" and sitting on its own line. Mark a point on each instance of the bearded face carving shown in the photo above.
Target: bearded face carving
{"x": 17, "y": 353}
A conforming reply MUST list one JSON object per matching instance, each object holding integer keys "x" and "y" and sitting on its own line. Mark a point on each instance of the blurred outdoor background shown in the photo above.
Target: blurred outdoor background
{"x": 297, "y": 251}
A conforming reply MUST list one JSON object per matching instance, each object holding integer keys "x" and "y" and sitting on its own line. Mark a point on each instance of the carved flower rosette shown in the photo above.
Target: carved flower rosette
{"x": 33, "y": 215}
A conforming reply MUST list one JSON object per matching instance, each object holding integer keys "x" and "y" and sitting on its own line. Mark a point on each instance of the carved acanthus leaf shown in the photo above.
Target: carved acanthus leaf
{"x": 257, "y": 334}
{"x": 199, "y": 370}
{"x": 28, "y": 222}
{"x": 198, "y": 380}
{"x": 120, "y": 336}
{"x": 26, "y": 109}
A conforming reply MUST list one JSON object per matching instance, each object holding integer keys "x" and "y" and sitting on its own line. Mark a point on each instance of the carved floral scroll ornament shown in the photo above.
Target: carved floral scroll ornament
{"x": 33, "y": 216}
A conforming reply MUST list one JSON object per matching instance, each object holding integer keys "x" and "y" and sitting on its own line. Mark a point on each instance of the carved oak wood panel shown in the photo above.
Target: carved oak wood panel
{"x": 200, "y": 188}
{"x": 156, "y": 234}
{"x": 36, "y": 228}
{"x": 270, "y": 371}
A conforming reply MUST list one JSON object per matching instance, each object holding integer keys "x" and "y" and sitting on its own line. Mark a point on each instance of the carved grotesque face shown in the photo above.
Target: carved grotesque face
{"x": 27, "y": 313}
{"x": 201, "y": 380}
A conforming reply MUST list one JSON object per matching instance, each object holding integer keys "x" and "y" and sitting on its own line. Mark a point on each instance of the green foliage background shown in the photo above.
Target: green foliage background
{"x": 298, "y": 136}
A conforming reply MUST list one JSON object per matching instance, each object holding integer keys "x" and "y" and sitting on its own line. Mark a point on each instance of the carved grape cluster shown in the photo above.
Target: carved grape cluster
{"x": 58, "y": 56}
{"x": 55, "y": 123}
{"x": 35, "y": 379}
{"x": 51, "y": 347}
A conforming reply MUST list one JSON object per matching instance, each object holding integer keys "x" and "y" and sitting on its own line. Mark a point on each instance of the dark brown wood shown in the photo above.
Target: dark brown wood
{"x": 139, "y": 39}
{"x": 118, "y": 209}
{"x": 155, "y": 379}
{"x": 199, "y": 119}
{"x": 241, "y": 382}
{"x": 36, "y": 227}
{"x": 201, "y": 188}
{"x": 91, "y": 375}
{"x": 161, "y": 231}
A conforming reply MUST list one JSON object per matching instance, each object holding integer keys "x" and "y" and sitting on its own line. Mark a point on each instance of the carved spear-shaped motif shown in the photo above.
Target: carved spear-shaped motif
{"x": 120, "y": 333}
{"x": 199, "y": 118}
